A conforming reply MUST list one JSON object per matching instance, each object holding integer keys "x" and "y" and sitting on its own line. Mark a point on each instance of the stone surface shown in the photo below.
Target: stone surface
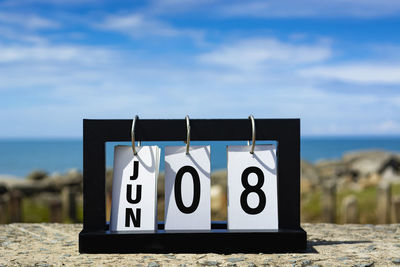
{"x": 328, "y": 245}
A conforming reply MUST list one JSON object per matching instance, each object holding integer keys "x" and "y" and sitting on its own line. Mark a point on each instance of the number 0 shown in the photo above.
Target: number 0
{"x": 178, "y": 189}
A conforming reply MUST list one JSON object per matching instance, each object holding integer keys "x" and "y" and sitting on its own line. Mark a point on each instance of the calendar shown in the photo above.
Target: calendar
{"x": 263, "y": 186}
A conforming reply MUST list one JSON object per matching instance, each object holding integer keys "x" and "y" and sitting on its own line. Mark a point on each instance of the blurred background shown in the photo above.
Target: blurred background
{"x": 335, "y": 65}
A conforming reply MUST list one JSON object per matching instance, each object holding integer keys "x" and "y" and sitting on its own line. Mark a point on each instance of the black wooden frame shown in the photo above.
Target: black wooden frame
{"x": 95, "y": 236}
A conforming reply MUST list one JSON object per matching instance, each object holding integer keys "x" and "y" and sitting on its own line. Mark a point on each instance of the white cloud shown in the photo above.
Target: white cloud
{"x": 389, "y": 126}
{"x": 249, "y": 8}
{"x": 362, "y": 73}
{"x": 280, "y": 8}
{"x": 8, "y": 33}
{"x": 311, "y": 8}
{"x": 46, "y": 53}
{"x": 28, "y": 21}
{"x": 48, "y": 88}
{"x": 25, "y": 3}
{"x": 24, "y": 28}
{"x": 256, "y": 53}
{"x": 55, "y": 92}
{"x": 138, "y": 25}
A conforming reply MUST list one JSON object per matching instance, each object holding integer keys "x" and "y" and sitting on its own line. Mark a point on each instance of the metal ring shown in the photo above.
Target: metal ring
{"x": 187, "y": 134}
{"x": 133, "y": 135}
{"x": 253, "y": 133}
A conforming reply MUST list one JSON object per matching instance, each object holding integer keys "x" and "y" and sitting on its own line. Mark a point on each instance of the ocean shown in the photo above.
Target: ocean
{"x": 19, "y": 157}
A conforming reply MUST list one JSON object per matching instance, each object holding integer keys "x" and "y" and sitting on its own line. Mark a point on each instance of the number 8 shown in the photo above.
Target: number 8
{"x": 253, "y": 188}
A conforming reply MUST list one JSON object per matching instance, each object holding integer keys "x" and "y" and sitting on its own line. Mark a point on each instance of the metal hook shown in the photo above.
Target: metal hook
{"x": 253, "y": 134}
{"x": 187, "y": 134}
{"x": 133, "y": 135}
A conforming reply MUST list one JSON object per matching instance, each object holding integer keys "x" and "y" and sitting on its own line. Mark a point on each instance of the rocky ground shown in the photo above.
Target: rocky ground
{"x": 328, "y": 245}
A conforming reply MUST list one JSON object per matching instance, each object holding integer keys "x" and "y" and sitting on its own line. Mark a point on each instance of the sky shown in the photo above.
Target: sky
{"x": 333, "y": 64}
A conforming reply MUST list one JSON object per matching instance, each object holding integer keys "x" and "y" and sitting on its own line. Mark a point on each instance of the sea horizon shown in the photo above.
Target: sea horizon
{"x": 20, "y": 156}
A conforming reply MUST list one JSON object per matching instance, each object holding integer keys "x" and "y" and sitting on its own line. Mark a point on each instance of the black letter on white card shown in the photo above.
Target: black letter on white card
{"x": 129, "y": 215}
{"x": 135, "y": 170}
{"x": 129, "y": 194}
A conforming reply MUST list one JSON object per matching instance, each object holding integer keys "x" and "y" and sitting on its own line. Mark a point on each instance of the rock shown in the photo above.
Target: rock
{"x": 331, "y": 169}
{"x": 109, "y": 179}
{"x": 354, "y": 156}
{"x": 210, "y": 263}
{"x": 390, "y": 175}
{"x": 305, "y": 186}
{"x": 396, "y": 261}
{"x": 370, "y": 248}
{"x": 309, "y": 173}
{"x": 220, "y": 178}
{"x": 372, "y": 180}
{"x": 3, "y": 189}
{"x": 366, "y": 162}
{"x": 305, "y": 263}
{"x": 74, "y": 173}
{"x": 393, "y": 162}
{"x": 369, "y": 264}
{"x": 333, "y": 245}
{"x": 153, "y": 264}
{"x": 37, "y": 175}
{"x": 235, "y": 259}
{"x": 170, "y": 256}
{"x": 218, "y": 198}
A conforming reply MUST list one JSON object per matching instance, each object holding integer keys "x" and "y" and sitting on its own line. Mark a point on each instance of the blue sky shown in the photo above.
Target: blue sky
{"x": 334, "y": 64}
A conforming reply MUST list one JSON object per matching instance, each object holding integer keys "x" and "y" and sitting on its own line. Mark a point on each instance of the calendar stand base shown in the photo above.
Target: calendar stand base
{"x": 218, "y": 240}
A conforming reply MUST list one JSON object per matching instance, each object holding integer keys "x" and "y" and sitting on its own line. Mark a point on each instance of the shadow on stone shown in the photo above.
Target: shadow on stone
{"x": 312, "y": 243}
